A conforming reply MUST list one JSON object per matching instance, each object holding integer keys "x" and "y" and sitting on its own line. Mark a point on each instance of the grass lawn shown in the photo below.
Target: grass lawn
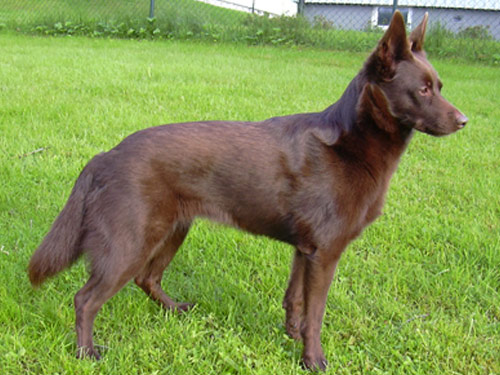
{"x": 21, "y": 13}
{"x": 417, "y": 293}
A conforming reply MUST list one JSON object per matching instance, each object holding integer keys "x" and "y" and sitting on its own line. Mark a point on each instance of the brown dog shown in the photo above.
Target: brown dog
{"x": 311, "y": 180}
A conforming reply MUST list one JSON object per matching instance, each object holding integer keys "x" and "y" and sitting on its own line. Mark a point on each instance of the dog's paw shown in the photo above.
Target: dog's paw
{"x": 315, "y": 363}
{"x": 88, "y": 353}
{"x": 183, "y": 307}
{"x": 293, "y": 329}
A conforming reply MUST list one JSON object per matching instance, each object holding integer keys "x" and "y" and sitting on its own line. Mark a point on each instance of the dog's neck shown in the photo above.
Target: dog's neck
{"x": 370, "y": 134}
{"x": 342, "y": 114}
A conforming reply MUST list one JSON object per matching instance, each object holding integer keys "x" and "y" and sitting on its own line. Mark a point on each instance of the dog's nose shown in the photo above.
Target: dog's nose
{"x": 462, "y": 120}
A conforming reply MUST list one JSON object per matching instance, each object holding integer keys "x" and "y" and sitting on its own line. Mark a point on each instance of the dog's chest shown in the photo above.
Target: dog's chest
{"x": 356, "y": 204}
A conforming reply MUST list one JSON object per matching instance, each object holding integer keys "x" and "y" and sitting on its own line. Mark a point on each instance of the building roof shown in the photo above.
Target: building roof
{"x": 456, "y": 4}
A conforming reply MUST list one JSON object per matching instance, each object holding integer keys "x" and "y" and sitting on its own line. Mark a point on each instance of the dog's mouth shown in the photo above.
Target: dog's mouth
{"x": 421, "y": 127}
{"x": 437, "y": 131}
{"x": 432, "y": 131}
{"x": 455, "y": 121}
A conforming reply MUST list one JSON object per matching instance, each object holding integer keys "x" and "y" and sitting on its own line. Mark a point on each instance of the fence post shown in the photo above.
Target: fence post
{"x": 152, "y": 9}
{"x": 300, "y": 7}
{"x": 394, "y": 6}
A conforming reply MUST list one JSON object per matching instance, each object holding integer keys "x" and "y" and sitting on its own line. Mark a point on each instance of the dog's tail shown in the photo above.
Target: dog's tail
{"x": 59, "y": 249}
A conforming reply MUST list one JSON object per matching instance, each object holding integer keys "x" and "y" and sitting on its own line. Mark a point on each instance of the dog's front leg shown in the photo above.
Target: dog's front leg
{"x": 293, "y": 303}
{"x": 319, "y": 270}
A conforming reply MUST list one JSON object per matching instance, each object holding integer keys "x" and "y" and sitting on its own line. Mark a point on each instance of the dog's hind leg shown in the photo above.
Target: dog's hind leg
{"x": 101, "y": 286}
{"x": 293, "y": 303}
{"x": 149, "y": 279}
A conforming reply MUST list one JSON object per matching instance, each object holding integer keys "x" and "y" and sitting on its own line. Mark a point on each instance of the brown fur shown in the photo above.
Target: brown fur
{"x": 311, "y": 180}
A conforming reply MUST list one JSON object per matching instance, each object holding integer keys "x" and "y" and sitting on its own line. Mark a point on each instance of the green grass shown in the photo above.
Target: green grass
{"x": 31, "y": 12}
{"x": 417, "y": 293}
{"x": 179, "y": 18}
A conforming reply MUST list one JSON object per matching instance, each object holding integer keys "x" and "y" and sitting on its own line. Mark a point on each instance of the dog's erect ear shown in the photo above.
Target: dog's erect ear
{"x": 393, "y": 47}
{"x": 417, "y": 36}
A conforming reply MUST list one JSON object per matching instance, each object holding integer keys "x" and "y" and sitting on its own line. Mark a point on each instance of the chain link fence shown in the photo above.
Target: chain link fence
{"x": 478, "y": 19}
{"x": 454, "y": 25}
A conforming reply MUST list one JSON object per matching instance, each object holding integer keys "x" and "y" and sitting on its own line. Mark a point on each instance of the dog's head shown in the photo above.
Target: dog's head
{"x": 403, "y": 86}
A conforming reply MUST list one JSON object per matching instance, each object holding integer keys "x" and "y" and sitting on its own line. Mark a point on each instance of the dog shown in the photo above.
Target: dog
{"x": 312, "y": 180}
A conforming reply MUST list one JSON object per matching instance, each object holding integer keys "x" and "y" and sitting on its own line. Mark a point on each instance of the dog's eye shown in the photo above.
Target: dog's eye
{"x": 425, "y": 91}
